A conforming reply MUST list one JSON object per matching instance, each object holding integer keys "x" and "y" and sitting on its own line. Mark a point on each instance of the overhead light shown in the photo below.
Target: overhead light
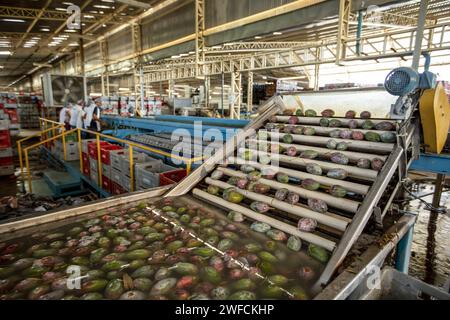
{"x": 45, "y": 29}
{"x": 93, "y": 11}
{"x": 68, "y": 3}
{"x": 108, "y": 1}
{"x": 277, "y": 33}
{"x": 3, "y": 45}
{"x": 14, "y": 20}
{"x": 61, "y": 9}
{"x": 123, "y": 14}
{"x": 101, "y": 12}
{"x": 73, "y": 44}
{"x": 70, "y": 30}
{"x": 36, "y": 38}
{"x": 87, "y": 16}
{"x": 1, "y": 67}
{"x": 100, "y": 6}
{"x": 104, "y": 25}
{"x": 5, "y": 53}
{"x": 258, "y": 37}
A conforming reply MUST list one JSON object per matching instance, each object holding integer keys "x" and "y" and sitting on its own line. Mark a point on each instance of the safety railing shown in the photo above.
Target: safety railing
{"x": 131, "y": 146}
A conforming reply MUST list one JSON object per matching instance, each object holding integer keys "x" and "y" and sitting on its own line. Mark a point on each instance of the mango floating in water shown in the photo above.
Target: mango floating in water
{"x": 236, "y": 216}
{"x": 318, "y": 253}
{"x": 260, "y": 227}
{"x": 276, "y": 235}
{"x": 294, "y": 243}
{"x": 242, "y": 295}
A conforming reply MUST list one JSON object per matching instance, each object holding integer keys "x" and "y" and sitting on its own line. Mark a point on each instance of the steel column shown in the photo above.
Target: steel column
{"x": 236, "y": 94}
{"x": 419, "y": 33}
{"x": 199, "y": 34}
{"x": 343, "y": 29}
{"x": 250, "y": 92}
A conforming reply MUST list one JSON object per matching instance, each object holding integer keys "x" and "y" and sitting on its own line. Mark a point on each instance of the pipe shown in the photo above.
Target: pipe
{"x": 349, "y": 186}
{"x": 419, "y": 34}
{"x": 343, "y": 204}
{"x": 293, "y": 209}
{"x": 359, "y": 32}
{"x": 367, "y": 146}
{"x": 353, "y": 156}
{"x": 310, "y": 237}
{"x": 404, "y": 251}
{"x": 355, "y": 172}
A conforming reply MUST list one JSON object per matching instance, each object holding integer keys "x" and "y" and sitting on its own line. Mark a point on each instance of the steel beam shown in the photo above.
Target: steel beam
{"x": 199, "y": 33}
{"x": 250, "y": 92}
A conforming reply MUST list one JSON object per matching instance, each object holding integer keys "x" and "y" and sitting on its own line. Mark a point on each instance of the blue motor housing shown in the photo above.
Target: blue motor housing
{"x": 402, "y": 81}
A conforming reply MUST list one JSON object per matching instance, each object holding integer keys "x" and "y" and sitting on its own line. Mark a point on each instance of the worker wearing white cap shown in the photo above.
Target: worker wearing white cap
{"x": 76, "y": 109}
{"x": 64, "y": 116}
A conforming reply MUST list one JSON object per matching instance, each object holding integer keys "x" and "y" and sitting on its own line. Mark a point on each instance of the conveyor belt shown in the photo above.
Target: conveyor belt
{"x": 345, "y": 217}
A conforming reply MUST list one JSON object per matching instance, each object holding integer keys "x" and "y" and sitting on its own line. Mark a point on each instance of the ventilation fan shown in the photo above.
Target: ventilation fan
{"x": 402, "y": 81}
{"x": 59, "y": 90}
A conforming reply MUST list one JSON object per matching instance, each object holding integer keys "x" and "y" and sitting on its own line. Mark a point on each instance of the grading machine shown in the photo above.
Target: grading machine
{"x": 298, "y": 205}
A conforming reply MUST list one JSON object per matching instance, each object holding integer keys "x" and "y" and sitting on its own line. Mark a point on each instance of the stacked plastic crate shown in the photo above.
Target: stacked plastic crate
{"x": 6, "y": 152}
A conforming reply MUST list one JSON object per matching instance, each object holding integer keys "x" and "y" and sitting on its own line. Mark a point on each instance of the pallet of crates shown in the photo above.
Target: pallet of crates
{"x": 6, "y": 152}
{"x": 105, "y": 156}
{"x": 139, "y": 159}
{"x": 72, "y": 153}
{"x": 148, "y": 175}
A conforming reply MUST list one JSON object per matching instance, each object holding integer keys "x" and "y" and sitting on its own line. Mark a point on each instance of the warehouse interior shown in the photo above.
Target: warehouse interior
{"x": 224, "y": 150}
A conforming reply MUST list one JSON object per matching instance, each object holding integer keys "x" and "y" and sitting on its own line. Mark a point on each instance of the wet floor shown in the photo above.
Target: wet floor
{"x": 430, "y": 260}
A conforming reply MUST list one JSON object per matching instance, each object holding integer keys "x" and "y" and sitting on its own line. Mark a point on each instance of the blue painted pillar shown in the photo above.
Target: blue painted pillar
{"x": 404, "y": 252}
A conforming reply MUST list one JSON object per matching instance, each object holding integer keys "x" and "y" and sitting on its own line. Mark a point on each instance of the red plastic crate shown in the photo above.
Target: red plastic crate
{"x": 13, "y": 116}
{"x": 106, "y": 152}
{"x": 171, "y": 177}
{"x": 5, "y": 139}
{"x": 86, "y": 166}
{"x": 92, "y": 148}
{"x": 116, "y": 189}
{"x": 106, "y": 184}
{"x": 85, "y": 158}
{"x": 6, "y": 161}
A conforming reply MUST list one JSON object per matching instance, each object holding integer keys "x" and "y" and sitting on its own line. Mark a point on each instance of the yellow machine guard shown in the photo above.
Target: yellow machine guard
{"x": 435, "y": 117}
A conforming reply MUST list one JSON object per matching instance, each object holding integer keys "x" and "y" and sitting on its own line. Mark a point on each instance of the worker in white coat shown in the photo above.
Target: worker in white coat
{"x": 76, "y": 109}
{"x": 96, "y": 124}
{"x": 64, "y": 117}
{"x": 89, "y": 112}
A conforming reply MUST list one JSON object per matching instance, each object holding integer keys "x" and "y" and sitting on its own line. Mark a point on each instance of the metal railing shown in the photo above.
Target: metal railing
{"x": 131, "y": 145}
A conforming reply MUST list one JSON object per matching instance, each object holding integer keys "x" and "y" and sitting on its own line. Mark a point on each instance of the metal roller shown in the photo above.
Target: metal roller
{"x": 355, "y": 172}
{"x": 367, "y": 146}
{"x": 343, "y": 204}
{"x": 353, "y": 156}
{"x": 293, "y": 209}
{"x": 316, "y": 120}
{"x": 350, "y": 186}
{"x": 326, "y": 130}
{"x": 310, "y": 237}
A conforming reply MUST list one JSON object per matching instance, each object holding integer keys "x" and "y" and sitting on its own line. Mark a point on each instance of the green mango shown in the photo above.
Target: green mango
{"x": 207, "y": 223}
{"x": 267, "y": 256}
{"x": 278, "y": 280}
{"x": 138, "y": 254}
{"x": 318, "y": 253}
{"x": 97, "y": 255}
{"x": 94, "y": 285}
{"x": 57, "y": 244}
{"x": 242, "y": 295}
{"x": 272, "y": 292}
{"x": 213, "y": 240}
{"x": 266, "y": 267}
{"x": 163, "y": 287}
{"x": 95, "y": 274}
{"x": 152, "y": 237}
{"x": 185, "y": 218}
{"x": 144, "y": 272}
{"x": 92, "y": 296}
{"x": 185, "y": 269}
{"x": 174, "y": 246}
{"x": 38, "y": 291}
{"x": 137, "y": 245}
{"x": 114, "y": 275}
{"x": 204, "y": 252}
{"x": 142, "y": 284}
{"x": 230, "y": 235}
{"x": 80, "y": 261}
{"x": 35, "y": 271}
{"x": 211, "y": 275}
{"x": 44, "y": 253}
{"x": 112, "y": 233}
{"x": 253, "y": 247}
{"x": 210, "y": 232}
{"x": 243, "y": 284}
{"x": 114, "y": 289}
{"x": 114, "y": 265}
{"x": 104, "y": 242}
{"x": 168, "y": 209}
{"x": 136, "y": 264}
{"x": 146, "y": 230}
{"x": 299, "y": 293}
{"x": 225, "y": 244}
{"x": 75, "y": 231}
{"x": 5, "y": 272}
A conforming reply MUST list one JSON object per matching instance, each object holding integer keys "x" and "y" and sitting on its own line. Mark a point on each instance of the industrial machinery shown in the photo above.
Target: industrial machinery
{"x": 299, "y": 191}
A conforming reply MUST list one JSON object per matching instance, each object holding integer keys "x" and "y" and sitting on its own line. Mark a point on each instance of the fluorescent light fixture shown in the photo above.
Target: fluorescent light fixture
{"x": 93, "y": 11}
{"x": 5, "y": 45}
{"x": 1, "y": 67}
{"x": 45, "y": 29}
{"x": 61, "y": 9}
{"x": 108, "y": 1}
{"x": 124, "y": 89}
{"x": 59, "y": 38}
{"x": 258, "y": 37}
{"x": 14, "y": 20}
{"x": 68, "y": 3}
{"x": 88, "y": 16}
{"x": 277, "y": 33}
{"x": 36, "y": 38}
{"x": 70, "y": 30}
{"x": 5, "y": 53}
{"x": 100, "y": 6}
{"x": 73, "y": 44}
